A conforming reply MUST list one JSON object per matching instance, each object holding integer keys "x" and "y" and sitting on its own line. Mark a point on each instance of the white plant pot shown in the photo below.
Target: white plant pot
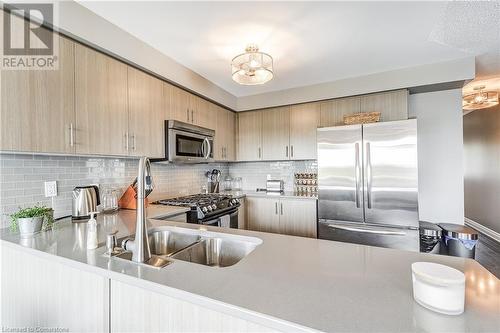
{"x": 30, "y": 225}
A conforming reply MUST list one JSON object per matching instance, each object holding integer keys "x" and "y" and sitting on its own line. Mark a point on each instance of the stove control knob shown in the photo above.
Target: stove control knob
{"x": 230, "y": 202}
{"x": 204, "y": 209}
{"x": 214, "y": 207}
{"x": 209, "y": 208}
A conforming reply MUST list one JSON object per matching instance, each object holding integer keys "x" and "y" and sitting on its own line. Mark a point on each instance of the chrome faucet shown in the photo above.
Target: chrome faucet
{"x": 140, "y": 245}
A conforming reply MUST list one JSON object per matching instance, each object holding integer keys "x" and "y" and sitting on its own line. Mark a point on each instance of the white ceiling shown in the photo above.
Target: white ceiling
{"x": 311, "y": 42}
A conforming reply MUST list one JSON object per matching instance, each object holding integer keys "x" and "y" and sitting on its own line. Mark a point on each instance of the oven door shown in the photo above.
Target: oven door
{"x": 189, "y": 147}
{"x": 228, "y": 219}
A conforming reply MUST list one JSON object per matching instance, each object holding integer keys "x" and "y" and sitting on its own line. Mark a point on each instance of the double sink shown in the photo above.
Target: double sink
{"x": 198, "y": 246}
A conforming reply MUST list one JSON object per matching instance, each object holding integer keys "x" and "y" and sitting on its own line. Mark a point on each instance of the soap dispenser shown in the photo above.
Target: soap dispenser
{"x": 92, "y": 232}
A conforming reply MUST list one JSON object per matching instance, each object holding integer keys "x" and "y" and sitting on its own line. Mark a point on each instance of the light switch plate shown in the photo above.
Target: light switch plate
{"x": 51, "y": 189}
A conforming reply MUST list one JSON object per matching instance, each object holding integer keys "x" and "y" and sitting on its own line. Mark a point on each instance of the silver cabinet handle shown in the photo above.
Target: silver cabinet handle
{"x": 281, "y": 208}
{"x": 133, "y": 142}
{"x": 259, "y": 153}
{"x": 126, "y": 141}
{"x": 369, "y": 176}
{"x": 192, "y": 116}
{"x": 286, "y": 151}
{"x": 276, "y": 207}
{"x": 369, "y": 231}
{"x": 357, "y": 171}
{"x": 71, "y": 135}
{"x": 187, "y": 115}
{"x": 291, "y": 150}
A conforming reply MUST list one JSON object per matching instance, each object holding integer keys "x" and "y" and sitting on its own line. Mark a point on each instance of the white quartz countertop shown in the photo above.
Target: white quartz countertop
{"x": 287, "y": 282}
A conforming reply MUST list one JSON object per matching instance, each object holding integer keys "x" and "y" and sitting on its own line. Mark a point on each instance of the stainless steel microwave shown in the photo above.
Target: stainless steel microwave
{"x": 187, "y": 143}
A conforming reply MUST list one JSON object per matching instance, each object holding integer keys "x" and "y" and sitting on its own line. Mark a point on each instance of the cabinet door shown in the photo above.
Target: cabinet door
{"x": 179, "y": 105}
{"x": 60, "y": 295}
{"x": 250, "y": 136}
{"x": 146, "y": 114}
{"x": 298, "y": 217}
{"x": 304, "y": 121}
{"x": 220, "y": 132}
{"x": 276, "y": 134}
{"x": 333, "y": 111}
{"x": 200, "y": 113}
{"x": 230, "y": 151}
{"x": 101, "y": 104}
{"x": 392, "y": 105}
{"x": 37, "y": 106}
{"x": 262, "y": 214}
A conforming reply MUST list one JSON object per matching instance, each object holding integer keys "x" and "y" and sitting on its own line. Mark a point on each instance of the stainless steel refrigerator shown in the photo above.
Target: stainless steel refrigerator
{"x": 368, "y": 184}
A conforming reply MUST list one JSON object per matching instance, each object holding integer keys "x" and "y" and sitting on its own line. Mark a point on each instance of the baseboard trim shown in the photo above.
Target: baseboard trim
{"x": 482, "y": 229}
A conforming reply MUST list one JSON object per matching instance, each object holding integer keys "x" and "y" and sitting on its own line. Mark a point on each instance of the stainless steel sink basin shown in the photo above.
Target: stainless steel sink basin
{"x": 217, "y": 252}
{"x": 168, "y": 244}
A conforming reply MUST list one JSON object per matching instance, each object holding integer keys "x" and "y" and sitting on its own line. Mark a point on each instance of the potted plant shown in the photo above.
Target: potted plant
{"x": 31, "y": 220}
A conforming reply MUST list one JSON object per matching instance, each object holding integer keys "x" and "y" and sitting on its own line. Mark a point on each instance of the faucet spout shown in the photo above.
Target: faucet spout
{"x": 140, "y": 249}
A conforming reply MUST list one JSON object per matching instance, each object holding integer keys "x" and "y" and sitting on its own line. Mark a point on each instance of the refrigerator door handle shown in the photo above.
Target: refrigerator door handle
{"x": 368, "y": 176}
{"x": 357, "y": 171}
{"x": 370, "y": 231}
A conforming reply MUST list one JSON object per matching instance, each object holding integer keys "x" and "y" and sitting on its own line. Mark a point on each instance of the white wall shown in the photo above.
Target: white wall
{"x": 418, "y": 76}
{"x": 440, "y": 155}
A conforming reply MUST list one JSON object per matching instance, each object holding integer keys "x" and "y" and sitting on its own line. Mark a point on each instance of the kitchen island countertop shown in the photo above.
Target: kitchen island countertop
{"x": 288, "y": 283}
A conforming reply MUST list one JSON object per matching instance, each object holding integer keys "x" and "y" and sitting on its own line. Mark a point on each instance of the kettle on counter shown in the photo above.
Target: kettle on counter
{"x": 85, "y": 200}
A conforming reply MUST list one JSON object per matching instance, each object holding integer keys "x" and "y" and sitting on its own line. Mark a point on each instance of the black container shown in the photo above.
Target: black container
{"x": 430, "y": 237}
{"x": 459, "y": 240}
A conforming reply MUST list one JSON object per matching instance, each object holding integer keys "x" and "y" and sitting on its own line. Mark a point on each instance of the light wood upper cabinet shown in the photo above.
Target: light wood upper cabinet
{"x": 393, "y": 105}
{"x": 249, "y": 136}
{"x": 332, "y": 112}
{"x": 37, "y": 106}
{"x": 304, "y": 121}
{"x": 200, "y": 112}
{"x": 224, "y": 133}
{"x": 101, "y": 104}
{"x": 179, "y": 107}
{"x": 276, "y": 134}
{"x": 230, "y": 152}
{"x": 298, "y": 217}
{"x": 146, "y": 107}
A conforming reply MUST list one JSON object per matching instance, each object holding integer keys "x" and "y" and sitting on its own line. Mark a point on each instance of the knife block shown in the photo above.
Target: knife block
{"x": 129, "y": 201}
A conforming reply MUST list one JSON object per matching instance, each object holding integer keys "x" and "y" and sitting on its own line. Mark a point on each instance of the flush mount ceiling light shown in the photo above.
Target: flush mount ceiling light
{"x": 252, "y": 67}
{"x": 480, "y": 99}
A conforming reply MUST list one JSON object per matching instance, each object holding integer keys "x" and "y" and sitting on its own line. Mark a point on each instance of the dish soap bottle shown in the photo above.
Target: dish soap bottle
{"x": 92, "y": 232}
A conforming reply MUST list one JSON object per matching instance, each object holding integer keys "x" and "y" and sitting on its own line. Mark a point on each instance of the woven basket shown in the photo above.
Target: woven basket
{"x": 362, "y": 118}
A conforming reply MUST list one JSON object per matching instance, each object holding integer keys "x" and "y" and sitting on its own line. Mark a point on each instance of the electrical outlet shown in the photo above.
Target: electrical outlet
{"x": 51, "y": 189}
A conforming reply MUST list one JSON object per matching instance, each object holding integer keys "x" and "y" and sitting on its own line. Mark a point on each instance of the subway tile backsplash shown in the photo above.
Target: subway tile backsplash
{"x": 254, "y": 174}
{"x": 22, "y": 178}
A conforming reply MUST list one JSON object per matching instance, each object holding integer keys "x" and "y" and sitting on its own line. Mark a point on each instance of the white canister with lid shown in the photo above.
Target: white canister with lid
{"x": 438, "y": 287}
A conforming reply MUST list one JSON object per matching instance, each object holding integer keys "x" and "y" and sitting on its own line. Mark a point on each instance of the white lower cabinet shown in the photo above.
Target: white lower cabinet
{"x": 39, "y": 292}
{"x": 296, "y": 217}
{"x": 134, "y": 309}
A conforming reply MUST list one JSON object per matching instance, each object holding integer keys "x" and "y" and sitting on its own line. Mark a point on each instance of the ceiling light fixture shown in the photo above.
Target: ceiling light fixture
{"x": 480, "y": 99}
{"x": 252, "y": 67}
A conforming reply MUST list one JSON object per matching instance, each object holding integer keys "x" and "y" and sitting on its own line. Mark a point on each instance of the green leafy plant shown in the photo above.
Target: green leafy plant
{"x": 36, "y": 211}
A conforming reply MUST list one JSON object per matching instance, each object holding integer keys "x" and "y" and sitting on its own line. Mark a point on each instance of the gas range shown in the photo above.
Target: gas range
{"x": 205, "y": 208}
